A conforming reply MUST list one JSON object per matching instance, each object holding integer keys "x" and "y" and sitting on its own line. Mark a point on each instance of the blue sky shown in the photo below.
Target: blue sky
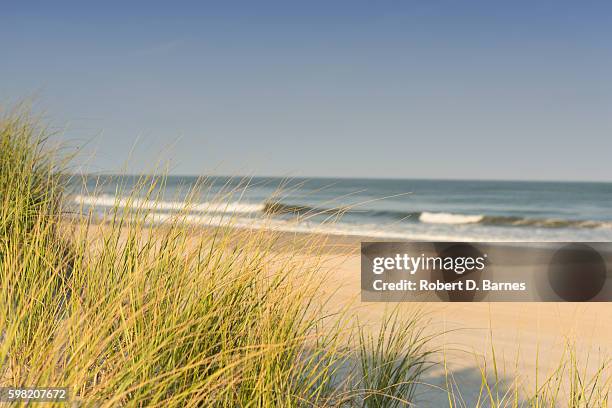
{"x": 402, "y": 89}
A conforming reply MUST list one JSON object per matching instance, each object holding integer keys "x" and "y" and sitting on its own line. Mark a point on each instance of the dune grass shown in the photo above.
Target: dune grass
{"x": 570, "y": 383}
{"x": 126, "y": 311}
{"x": 393, "y": 361}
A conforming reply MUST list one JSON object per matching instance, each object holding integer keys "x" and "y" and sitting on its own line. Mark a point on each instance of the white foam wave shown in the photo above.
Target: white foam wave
{"x": 448, "y": 218}
{"x": 208, "y": 207}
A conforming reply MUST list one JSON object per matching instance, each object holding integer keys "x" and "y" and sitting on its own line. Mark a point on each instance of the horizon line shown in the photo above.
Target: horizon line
{"x": 103, "y": 173}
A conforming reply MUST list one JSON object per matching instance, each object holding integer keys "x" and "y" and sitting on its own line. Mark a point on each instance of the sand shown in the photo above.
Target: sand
{"x": 527, "y": 338}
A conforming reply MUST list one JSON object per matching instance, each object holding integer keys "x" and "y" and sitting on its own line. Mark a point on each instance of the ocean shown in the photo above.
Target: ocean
{"x": 437, "y": 210}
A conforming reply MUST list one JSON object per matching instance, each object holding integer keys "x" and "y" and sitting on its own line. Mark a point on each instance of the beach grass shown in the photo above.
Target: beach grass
{"x": 569, "y": 383}
{"x": 125, "y": 311}
{"x": 128, "y": 311}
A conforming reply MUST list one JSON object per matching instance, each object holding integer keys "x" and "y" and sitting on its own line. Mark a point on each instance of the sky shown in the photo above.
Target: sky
{"x": 389, "y": 89}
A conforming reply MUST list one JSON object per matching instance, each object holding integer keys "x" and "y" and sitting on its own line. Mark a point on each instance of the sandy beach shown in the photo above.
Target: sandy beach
{"x": 527, "y": 338}
{"x": 524, "y": 340}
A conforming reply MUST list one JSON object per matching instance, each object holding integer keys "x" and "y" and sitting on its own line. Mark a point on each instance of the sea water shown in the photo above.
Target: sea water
{"x": 449, "y": 210}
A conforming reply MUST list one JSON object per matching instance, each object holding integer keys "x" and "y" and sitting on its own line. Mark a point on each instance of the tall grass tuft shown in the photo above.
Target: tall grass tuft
{"x": 126, "y": 312}
{"x": 569, "y": 384}
{"x": 394, "y": 360}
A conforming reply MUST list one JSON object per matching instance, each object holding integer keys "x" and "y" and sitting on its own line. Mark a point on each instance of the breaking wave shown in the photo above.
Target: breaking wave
{"x": 447, "y": 218}
{"x": 511, "y": 221}
{"x": 208, "y": 207}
